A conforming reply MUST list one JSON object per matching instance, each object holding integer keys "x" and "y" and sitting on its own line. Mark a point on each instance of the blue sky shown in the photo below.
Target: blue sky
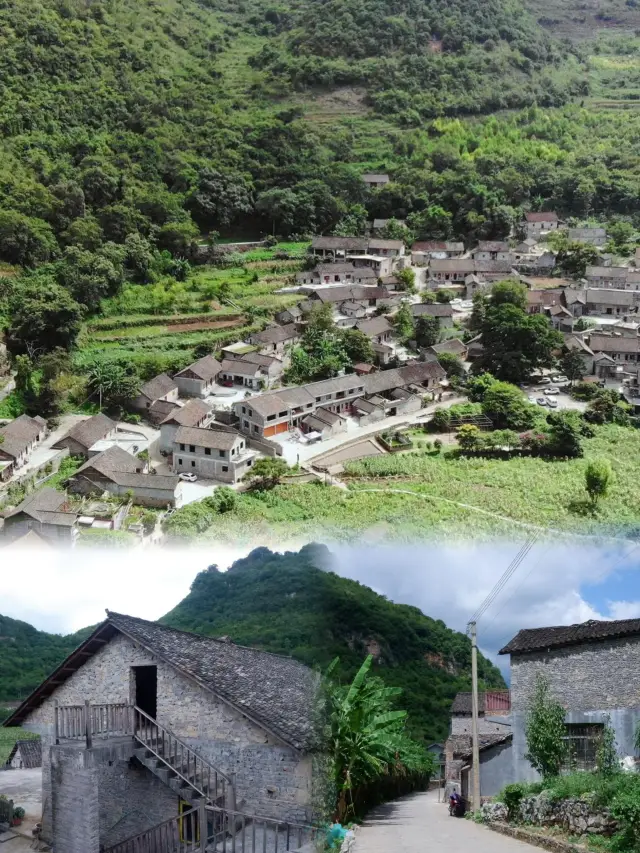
{"x": 559, "y": 583}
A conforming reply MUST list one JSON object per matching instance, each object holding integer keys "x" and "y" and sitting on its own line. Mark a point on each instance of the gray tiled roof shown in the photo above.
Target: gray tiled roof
{"x": 344, "y": 244}
{"x": 158, "y": 387}
{"x": 240, "y": 367}
{"x": 19, "y": 433}
{"x": 43, "y": 505}
{"x": 160, "y": 482}
{"x": 275, "y": 334}
{"x": 431, "y": 309}
{"x": 188, "y": 415}
{"x": 543, "y": 216}
{"x": 30, "y": 753}
{"x": 205, "y": 368}
{"x": 375, "y": 326}
{"x": 88, "y": 432}
{"x": 275, "y": 691}
{"x": 462, "y": 746}
{"x": 539, "y": 639}
{"x": 113, "y": 459}
{"x": 374, "y": 178}
{"x": 215, "y": 439}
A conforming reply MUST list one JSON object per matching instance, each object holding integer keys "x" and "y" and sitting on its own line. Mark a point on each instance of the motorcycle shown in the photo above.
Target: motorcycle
{"x": 456, "y": 807}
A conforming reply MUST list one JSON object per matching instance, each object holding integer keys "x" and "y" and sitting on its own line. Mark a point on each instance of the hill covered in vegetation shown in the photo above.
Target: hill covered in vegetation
{"x": 28, "y": 655}
{"x": 293, "y": 604}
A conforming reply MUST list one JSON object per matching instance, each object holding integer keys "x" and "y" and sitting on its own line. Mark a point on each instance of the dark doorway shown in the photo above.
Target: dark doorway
{"x": 147, "y": 689}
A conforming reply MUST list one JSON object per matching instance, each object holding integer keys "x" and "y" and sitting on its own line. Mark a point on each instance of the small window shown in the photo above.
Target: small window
{"x": 182, "y": 447}
{"x": 271, "y": 418}
{"x": 221, "y": 454}
{"x": 582, "y": 746}
{"x": 193, "y": 463}
{"x": 250, "y": 413}
{"x": 225, "y": 468}
{"x": 255, "y": 428}
{"x": 244, "y": 410}
{"x": 249, "y": 463}
{"x": 192, "y": 448}
{"x": 179, "y": 461}
{"x": 246, "y": 424}
{"x": 207, "y": 451}
{"x": 282, "y": 414}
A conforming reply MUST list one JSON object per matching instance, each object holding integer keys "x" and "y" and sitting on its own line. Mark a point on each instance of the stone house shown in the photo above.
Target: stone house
{"x": 575, "y": 342}
{"x": 494, "y": 730}
{"x": 352, "y": 309}
{"x": 163, "y": 702}
{"x": 274, "y": 340}
{"x": 386, "y": 248}
{"x": 369, "y": 297}
{"x": 619, "y": 347}
{"x": 25, "y": 755}
{"x": 294, "y": 314}
{"x": 560, "y": 317}
{"x": 195, "y": 413}
{"x": 334, "y": 248}
{"x": 81, "y": 438}
{"x": 381, "y": 265}
{"x": 337, "y": 273}
{"x": 378, "y": 329}
{"x": 615, "y": 277}
{"x": 46, "y": 512}
{"x": 593, "y": 236}
{"x": 18, "y": 439}
{"x": 248, "y": 374}
{"x": 122, "y": 475}
{"x": 453, "y": 270}
{"x": 443, "y": 313}
{"x": 325, "y": 422}
{"x": 423, "y": 251}
{"x": 538, "y": 223}
{"x": 608, "y": 301}
{"x": 212, "y": 454}
{"x": 592, "y": 670}
{"x": 454, "y": 346}
{"x": 575, "y": 300}
{"x": 492, "y": 250}
{"x": 375, "y": 181}
{"x": 198, "y": 378}
{"x": 157, "y": 398}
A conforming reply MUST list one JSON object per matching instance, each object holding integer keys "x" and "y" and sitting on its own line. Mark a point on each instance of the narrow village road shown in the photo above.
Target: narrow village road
{"x": 420, "y": 824}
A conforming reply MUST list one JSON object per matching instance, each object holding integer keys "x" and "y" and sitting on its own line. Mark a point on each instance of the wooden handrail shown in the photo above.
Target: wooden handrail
{"x": 181, "y": 833}
{"x": 76, "y": 722}
{"x": 199, "y": 772}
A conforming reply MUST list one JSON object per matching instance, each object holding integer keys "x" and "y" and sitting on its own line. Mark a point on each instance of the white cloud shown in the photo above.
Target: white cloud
{"x": 450, "y": 582}
{"x": 63, "y": 591}
{"x": 624, "y": 609}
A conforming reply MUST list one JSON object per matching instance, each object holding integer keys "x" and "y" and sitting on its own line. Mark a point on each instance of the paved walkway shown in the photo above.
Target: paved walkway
{"x": 420, "y": 824}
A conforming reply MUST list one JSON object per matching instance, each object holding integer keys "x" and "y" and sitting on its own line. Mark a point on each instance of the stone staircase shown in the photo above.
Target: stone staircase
{"x": 179, "y": 766}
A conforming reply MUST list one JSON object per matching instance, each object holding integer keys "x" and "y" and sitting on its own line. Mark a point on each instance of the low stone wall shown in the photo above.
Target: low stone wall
{"x": 576, "y": 817}
{"x": 555, "y": 845}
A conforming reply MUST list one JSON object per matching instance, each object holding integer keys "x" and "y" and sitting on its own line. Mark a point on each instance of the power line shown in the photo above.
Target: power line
{"x": 506, "y": 576}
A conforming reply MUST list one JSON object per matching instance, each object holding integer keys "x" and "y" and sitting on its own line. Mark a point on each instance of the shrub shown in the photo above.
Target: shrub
{"x": 19, "y": 813}
{"x": 441, "y": 421}
{"x": 437, "y": 445}
{"x": 511, "y": 796}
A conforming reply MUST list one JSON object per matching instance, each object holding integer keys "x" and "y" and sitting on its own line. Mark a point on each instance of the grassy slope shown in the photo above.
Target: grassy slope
{"x": 285, "y": 604}
{"x": 549, "y": 494}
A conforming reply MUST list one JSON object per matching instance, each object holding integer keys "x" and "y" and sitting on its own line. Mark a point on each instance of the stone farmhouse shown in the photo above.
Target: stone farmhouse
{"x": 120, "y": 474}
{"x": 278, "y": 412}
{"x": 212, "y": 454}
{"x": 195, "y": 413}
{"x": 46, "y": 512}
{"x": 535, "y": 224}
{"x": 142, "y": 722}
{"x": 619, "y": 278}
{"x": 18, "y": 439}
{"x": 369, "y": 297}
{"x": 456, "y": 271}
{"x": 84, "y": 435}
{"x": 593, "y": 236}
{"x": 422, "y": 252}
{"x": 157, "y": 398}
{"x": 25, "y": 755}
{"x": 198, "y": 379}
{"x": 274, "y": 340}
{"x": 494, "y": 730}
{"x": 378, "y": 329}
{"x": 345, "y": 273}
{"x": 375, "y": 181}
{"x": 380, "y": 255}
{"x": 443, "y": 313}
{"x": 592, "y": 669}
{"x": 621, "y": 348}
{"x": 488, "y": 250}
{"x": 454, "y": 346}
{"x": 609, "y": 301}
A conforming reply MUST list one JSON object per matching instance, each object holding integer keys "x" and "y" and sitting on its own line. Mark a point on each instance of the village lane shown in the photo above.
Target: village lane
{"x": 418, "y": 823}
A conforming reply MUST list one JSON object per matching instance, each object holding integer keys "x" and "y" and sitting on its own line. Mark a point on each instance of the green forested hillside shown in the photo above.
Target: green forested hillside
{"x": 289, "y": 604}
{"x": 28, "y": 655}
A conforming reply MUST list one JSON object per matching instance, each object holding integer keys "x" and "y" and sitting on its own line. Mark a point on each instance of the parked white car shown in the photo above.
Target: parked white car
{"x": 552, "y": 403}
{"x": 531, "y": 398}
{"x": 560, "y": 378}
{"x": 543, "y": 381}
{"x": 551, "y": 391}
{"x": 187, "y": 477}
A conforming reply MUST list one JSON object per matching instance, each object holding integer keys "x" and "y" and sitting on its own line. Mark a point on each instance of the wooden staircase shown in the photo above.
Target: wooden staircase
{"x": 180, "y": 767}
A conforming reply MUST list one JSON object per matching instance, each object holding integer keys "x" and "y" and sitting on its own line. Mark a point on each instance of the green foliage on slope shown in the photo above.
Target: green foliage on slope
{"x": 292, "y": 604}
{"x": 28, "y": 656}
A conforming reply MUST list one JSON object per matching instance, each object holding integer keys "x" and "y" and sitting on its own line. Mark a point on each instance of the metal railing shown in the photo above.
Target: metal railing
{"x": 76, "y": 722}
{"x": 235, "y": 832}
{"x": 192, "y": 768}
{"x": 180, "y": 834}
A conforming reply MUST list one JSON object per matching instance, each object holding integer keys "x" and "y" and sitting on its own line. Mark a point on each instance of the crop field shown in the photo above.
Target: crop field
{"x": 446, "y": 497}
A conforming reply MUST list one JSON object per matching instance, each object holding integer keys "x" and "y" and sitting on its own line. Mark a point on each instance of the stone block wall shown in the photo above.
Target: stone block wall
{"x": 74, "y": 803}
{"x": 597, "y": 675}
{"x": 486, "y": 726}
{"x": 271, "y": 778}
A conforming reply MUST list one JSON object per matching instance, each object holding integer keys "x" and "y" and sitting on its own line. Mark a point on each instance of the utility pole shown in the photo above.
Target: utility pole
{"x": 474, "y": 718}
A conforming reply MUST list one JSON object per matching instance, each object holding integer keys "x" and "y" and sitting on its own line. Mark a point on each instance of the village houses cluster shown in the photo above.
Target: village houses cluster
{"x": 214, "y": 418}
